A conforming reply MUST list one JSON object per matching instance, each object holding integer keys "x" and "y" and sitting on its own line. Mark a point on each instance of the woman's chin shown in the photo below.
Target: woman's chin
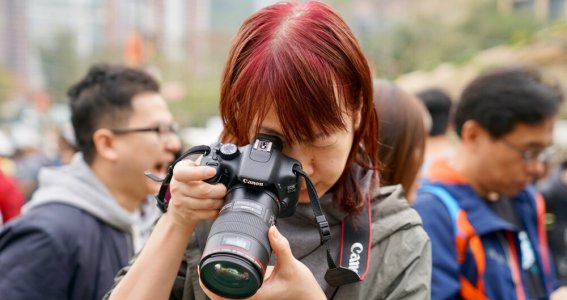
{"x": 303, "y": 196}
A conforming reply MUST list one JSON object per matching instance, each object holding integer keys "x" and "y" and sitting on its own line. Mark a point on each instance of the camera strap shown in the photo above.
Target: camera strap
{"x": 355, "y": 241}
{"x": 163, "y": 196}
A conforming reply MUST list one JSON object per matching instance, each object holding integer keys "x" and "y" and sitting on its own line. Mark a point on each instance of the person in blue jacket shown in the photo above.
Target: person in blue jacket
{"x": 479, "y": 207}
{"x": 87, "y": 219}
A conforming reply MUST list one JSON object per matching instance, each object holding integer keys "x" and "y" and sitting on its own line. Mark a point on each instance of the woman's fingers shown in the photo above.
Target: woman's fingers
{"x": 187, "y": 170}
{"x": 192, "y": 199}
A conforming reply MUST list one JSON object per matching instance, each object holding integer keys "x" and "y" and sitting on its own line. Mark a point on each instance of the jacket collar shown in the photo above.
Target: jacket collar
{"x": 483, "y": 219}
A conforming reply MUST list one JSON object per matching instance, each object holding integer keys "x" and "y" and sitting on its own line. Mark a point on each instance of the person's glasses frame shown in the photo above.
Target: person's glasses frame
{"x": 162, "y": 130}
{"x": 532, "y": 155}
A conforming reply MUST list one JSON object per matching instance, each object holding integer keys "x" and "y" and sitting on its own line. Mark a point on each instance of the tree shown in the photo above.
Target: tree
{"x": 426, "y": 41}
{"x": 7, "y": 85}
{"x": 61, "y": 64}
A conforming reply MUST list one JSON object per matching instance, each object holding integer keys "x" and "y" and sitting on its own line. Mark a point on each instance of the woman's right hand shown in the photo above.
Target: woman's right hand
{"x": 192, "y": 199}
{"x": 290, "y": 279}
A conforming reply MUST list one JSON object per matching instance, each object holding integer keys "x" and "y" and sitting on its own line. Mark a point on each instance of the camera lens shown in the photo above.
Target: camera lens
{"x": 230, "y": 276}
{"x": 237, "y": 251}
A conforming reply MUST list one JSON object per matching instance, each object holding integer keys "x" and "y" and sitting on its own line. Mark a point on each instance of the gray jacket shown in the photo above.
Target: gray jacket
{"x": 400, "y": 265}
{"x": 71, "y": 239}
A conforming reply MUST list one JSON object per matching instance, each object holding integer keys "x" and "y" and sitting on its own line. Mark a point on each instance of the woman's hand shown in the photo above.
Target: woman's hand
{"x": 153, "y": 273}
{"x": 560, "y": 293}
{"x": 290, "y": 279}
{"x": 192, "y": 199}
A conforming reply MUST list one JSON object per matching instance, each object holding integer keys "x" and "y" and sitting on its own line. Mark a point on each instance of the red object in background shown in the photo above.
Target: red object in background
{"x": 134, "y": 50}
{"x": 11, "y": 198}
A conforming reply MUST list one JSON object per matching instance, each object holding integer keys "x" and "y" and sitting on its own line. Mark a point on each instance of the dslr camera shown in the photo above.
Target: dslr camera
{"x": 262, "y": 185}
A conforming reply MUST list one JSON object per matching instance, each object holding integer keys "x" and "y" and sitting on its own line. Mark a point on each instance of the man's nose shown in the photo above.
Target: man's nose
{"x": 172, "y": 143}
{"x": 537, "y": 168}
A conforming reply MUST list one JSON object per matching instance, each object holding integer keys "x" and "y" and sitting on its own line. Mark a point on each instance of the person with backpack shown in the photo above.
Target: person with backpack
{"x": 479, "y": 207}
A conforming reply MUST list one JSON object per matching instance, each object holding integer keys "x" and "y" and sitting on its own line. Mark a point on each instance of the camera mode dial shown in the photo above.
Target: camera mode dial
{"x": 228, "y": 151}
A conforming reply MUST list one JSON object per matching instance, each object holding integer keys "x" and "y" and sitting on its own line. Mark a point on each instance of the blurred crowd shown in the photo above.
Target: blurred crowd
{"x": 467, "y": 195}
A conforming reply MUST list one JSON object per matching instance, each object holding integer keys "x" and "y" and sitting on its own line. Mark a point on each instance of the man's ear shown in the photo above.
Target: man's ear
{"x": 104, "y": 144}
{"x": 472, "y": 133}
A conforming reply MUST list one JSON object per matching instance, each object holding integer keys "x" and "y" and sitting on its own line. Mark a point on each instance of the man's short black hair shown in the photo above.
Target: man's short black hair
{"x": 104, "y": 98}
{"x": 500, "y": 99}
{"x": 438, "y": 104}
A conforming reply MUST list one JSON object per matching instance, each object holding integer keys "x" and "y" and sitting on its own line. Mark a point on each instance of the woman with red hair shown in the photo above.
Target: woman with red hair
{"x": 295, "y": 71}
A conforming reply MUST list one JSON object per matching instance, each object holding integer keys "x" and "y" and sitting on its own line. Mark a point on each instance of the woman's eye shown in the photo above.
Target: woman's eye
{"x": 324, "y": 141}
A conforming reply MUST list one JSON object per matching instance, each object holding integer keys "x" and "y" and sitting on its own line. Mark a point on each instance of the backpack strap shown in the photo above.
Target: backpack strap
{"x": 542, "y": 238}
{"x": 465, "y": 237}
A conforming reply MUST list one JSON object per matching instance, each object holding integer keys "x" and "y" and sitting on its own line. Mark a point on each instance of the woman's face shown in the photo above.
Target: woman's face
{"x": 323, "y": 159}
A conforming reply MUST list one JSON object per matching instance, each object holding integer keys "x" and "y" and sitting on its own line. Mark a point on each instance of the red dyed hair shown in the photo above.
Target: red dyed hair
{"x": 302, "y": 59}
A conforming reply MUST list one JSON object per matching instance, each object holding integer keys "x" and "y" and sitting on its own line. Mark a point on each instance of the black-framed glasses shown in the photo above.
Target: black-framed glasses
{"x": 531, "y": 155}
{"x": 161, "y": 129}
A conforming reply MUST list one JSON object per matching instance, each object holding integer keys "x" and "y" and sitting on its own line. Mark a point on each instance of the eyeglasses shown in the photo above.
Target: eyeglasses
{"x": 163, "y": 130}
{"x": 531, "y": 155}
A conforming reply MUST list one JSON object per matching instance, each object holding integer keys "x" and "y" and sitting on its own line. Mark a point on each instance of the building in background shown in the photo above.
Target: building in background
{"x": 14, "y": 46}
{"x": 176, "y": 29}
{"x": 545, "y": 10}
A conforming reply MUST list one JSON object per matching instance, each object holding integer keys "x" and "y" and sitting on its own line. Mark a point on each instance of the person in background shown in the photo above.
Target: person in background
{"x": 88, "y": 218}
{"x": 28, "y": 158}
{"x": 479, "y": 207}
{"x": 402, "y": 133}
{"x": 294, "y": 71}
{"x": 440, "y": 141}
{"x": 554, "y": 191}
{"x": 11, "y": 198}
{"x": 66, "y": 145}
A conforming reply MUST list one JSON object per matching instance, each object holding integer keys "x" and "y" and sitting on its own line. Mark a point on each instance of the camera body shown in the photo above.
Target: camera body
{"x": 261, "y": 186}
{"x": 260, "y": 165}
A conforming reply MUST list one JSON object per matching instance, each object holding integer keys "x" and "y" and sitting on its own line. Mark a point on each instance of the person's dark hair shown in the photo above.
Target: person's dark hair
{"x": 401, "y": 135}
{"x": 438, "y": 104}
{"x": 500, "y": 99}
{"x": 104, "y": 98}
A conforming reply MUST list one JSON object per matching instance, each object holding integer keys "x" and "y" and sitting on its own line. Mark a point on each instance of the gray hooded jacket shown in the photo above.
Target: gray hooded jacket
{"x": 71, "y": 240}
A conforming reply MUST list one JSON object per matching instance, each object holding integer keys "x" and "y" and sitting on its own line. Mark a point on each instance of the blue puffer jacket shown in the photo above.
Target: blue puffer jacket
{"x": 71, "y": 239}
{"x": 60, "y": 252}
{"x": 500, "y": 257}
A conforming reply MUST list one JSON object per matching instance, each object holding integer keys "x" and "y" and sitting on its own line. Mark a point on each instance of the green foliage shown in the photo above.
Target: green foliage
{"x": 7, "y": 85}
{"x": 200, "y": 96}
{"x": 61, "y": 64}
{"x": 199, "y": 103}
{"x": 427, "y": 42}
{"x": 563, "y": 111}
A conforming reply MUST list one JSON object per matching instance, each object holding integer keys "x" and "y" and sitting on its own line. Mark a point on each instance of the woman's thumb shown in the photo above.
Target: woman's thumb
{"x": 280, "y": 246}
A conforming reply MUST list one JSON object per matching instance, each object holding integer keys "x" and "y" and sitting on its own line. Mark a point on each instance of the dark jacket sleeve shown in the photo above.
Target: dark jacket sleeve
{"x": 30, "y": 264}
{"x": 438, "y": 225}
{"x": 186, "y": 284}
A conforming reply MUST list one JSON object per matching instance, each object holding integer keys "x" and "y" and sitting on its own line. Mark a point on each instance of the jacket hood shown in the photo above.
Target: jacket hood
{"x": 392, "y": 213}
{"x": 76, "y": 185}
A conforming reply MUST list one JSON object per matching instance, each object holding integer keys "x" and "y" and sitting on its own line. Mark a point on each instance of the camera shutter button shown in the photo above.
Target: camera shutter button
{"x": 228, "y": 151}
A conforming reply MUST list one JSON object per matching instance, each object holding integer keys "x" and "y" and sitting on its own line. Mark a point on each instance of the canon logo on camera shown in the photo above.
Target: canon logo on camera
{"x": 252, "y": 182}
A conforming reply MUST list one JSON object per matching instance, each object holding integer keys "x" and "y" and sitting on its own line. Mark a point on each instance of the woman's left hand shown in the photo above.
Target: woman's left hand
{"x": 290, "y": 279}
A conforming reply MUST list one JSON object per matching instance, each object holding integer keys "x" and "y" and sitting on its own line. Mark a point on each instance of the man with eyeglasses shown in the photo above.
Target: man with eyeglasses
{"x": 89, "y": 218}
{"x": 479, "y": 207}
